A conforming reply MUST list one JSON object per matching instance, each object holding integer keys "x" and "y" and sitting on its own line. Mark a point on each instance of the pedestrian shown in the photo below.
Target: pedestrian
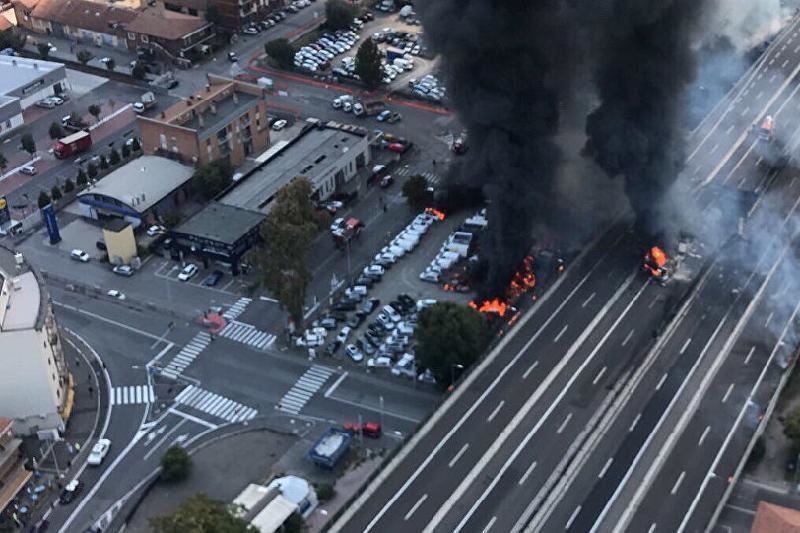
{"x": 78, "y": 446}
{"x": 91, "y": 392}
{"x": 77, "y": 362}
{"x": 385, "y": 208}
{"x": 434, "y": 163}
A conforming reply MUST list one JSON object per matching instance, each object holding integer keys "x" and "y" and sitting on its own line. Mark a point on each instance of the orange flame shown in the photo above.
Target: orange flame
{"x": 521, "y": 282}
{"x": 435, "y": 212}
{"x": 491, "y": 306}
{"x": 658, "y": 256}
{"x": 654, "y": 261}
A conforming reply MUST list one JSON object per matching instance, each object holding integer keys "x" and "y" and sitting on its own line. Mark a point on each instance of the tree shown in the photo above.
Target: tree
{"x": 94, "y": 110}
{"x": 416, "y": 192}
{"x": 339, "y": 15}
{"x": 3, "y": 162}
{"x": 368, "y": 64}
{"x": 69, "y": 186}
{"x": 294, "y": 523}
{"x": 43, "y": 199}
{"x": 44, "y": 50}
{"x": 84, "y": 56}
{"x": 81, "y": 179}
{"x": 126, "y": 152}
{"x": 201, "y": 514}
{"x": 287, "y": 232}
{"x": 91, "y": 170}
{"x": 113, "y": 157}
{"x": 136, "y": 145}
{"x": 103, "y": 162}
{"x": 55, "y": 131}
{"x": 449, "y": 335}
{"x": 281, "y": 51}
{"x": 13, "y": 39}
{"x": 176, "y": 465}
{"x": 28, "y": 144}
{"x": 791, "y": 427}
{"x": 325, "y": 491}
{"x": 55, "y": 193}
{"x": 138, "y": 71}
{"x": 111, "y": 64}
{"x": 213, "y": 178}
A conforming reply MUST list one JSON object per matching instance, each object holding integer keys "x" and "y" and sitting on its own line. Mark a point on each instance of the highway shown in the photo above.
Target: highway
{"x": 561, "y": 373}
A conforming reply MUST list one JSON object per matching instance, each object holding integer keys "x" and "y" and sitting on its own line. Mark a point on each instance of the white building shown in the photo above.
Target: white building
{"x": 31, "y": 80}
{"x": 267, "y": 508}
{"x": 33, "y": 376}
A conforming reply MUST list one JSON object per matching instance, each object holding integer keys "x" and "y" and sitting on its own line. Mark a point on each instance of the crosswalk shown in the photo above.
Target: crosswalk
{"x": 304, "y": 389}
{"x": 247, "y": 334}
{"x": 215, "y": 404}
{"x": 237, "y": 308}
{"x": 132, "y": 394}
{"x": 187, "y": 354}
{"x": 432, "y": 178}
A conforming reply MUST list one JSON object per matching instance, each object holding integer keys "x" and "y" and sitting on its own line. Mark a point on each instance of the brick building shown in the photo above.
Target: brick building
{"x": 227, "y": 120}
{"x": 233, "y": 14}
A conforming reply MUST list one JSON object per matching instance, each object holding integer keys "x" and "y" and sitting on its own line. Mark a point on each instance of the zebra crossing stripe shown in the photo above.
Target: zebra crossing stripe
{"x": 215, "y": 404}
{"x": 132, "y": 395}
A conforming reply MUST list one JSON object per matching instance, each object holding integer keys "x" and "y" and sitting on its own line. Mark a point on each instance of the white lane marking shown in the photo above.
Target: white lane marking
{"x": 769, "y": 317}
{"x": 527, "y": 473}
{"x": 564, "y": 423}
{"x": 714, "y": 148}
{"x": 496, "y": 410}
{"x": 635, "y": 421}
{"x": 759, "y": 95}
{"x": 335, "y": 384}
{"x": 772, "y": 78}
{"x": 703, "y": 436}
{"x": 419, "y": 435}
{"x": 652, "y": 528}
{"x": 628, "y": 337}
{"x": 729, "y": 130}
{"x": 530, "y": 369}
{"x": 605, "y": 468}
{"x": 745, "y": 111}
{"x": 589, "y": 299}
{"x": 563, "y": 330}
{"x": 533, "y": 400}
{"x": 457, "y": 456}
{"x": 783, "y": 65}
{"x": 599, "y": 375}
{"x": 685, "y": 345}
{"x": 415, "y": 507}
{"x": 771, "y": 61}
{"x": 490, "y": 524}
{"x": 727, "y": 393}
{"x": 573, "y": 516}
{"x": 678, "y": 483}
{"x": 749, "y": 354}
{"x": 661, "y": 382}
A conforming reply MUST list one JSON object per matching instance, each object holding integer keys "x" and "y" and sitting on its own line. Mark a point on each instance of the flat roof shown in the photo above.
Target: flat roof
{"x": 251, "y": 496}
{"x": 16, "y": 72}
{"x": 272, "y": 517}
{"x": 26, "y": 296}
{"x": 143, "y": 182}
{"x": 221, "y": 223}
{"x": 313, "y": 154}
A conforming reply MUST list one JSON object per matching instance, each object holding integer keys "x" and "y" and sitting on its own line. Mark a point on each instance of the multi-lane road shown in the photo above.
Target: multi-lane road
{"x": 549, "y": 432}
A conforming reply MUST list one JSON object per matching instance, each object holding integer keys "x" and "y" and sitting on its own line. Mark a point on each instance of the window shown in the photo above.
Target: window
{"x": 131, "y": 36}
{"x": 163, "y": 139}
{"x": 145, "y": 39}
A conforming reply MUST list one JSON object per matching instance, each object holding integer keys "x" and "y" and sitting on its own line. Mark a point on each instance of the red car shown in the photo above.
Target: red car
{"x": 399, "y": 148}
{"x": 368, "y": 429}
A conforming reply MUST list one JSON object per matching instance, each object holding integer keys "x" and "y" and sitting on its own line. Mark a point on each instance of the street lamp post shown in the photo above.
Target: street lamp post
{"x": 453, "y": 372}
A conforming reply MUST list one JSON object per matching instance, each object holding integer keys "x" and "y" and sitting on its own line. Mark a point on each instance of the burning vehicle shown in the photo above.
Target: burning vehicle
{"x": 656, "y": 264}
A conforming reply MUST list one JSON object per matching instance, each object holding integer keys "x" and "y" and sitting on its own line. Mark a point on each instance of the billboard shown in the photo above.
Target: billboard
{"x": 49, "y": 215}
{"x": 5, "y": 215}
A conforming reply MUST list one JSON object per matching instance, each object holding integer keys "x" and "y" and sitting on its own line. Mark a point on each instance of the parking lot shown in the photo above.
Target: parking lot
{"x": 215, "y": 278}
{"x": 371, "y": 322}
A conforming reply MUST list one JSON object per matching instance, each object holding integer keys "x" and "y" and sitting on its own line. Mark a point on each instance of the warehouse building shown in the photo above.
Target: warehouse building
{"x": 31, "y": 80}
{"x": 328, "y": 154}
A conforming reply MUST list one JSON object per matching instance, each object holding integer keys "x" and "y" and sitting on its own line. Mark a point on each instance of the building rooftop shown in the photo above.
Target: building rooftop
{"x": 85, "y": 14}
{"x": 221, "y": 223}
{"x": 272, "y": 517}
{"x": 315, "y": 153}
{"x": 17, "y": 72}
{"x": 166, "y": 24}
{"x": 208, "y": 111}
{"x": 771, "y": 518}
{"x": 22, "y": 296}
{"x": 143, "y": 182}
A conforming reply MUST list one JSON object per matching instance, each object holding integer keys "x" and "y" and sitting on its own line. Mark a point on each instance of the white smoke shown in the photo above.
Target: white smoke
{"x": 746, "y": 23}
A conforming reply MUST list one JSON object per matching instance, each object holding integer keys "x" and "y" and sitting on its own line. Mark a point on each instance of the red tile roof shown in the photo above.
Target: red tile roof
{"x": 84, "y": 14}
{"x": 165, "y": 24}
{"x": 771, "y": 518}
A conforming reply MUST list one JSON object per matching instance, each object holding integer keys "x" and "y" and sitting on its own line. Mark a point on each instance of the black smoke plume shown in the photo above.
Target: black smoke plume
{"x": 643, "y": 63}
{"x": 506, "y": 65}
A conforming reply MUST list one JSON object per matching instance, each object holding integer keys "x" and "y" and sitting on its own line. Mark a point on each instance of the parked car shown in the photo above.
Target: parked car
{"x": 156, "y": 229}
{"x": 114, "y": 293}
{"x": 368, "y": 429}
{"x": 123, "y": 270}
{"x": 213, "y": 278}
{"x": 79, "y": 255}
{"x": 354, "y": 353}
{"x": 344, "y": 305}
{"x": 343, "y": 334}
{"x": 70, "y": 492}
{"x": 30, "y": 170}
{"x": 386, "y": 181}
{"x": 99, "y": 452}
{"x": 279, "y": 125}
{"x": 328, "y": 322}
{"x": 371, "y": 305}
{"x": 188, "y": 272}
{"x": 379, "y": 362}
{"x": 232, "y": 57}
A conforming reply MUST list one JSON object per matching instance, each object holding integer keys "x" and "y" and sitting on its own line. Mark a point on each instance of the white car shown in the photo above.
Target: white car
{"x": 379, "y": 362}
{"x": 422, "y": 304}
{"x": 138, "y": 107}
{"x": 123, "y": 270}
{"x": 30, "y": 170}
{"x": 99, "y": 452}
{"x": 279, "y": 125}
{"x": 188, "y": 272}
{"x": 429, "y": 275}
{"x": 114, "y": 293}
{"x": 374, "y": 271}
{"x": 342, "y": 336}
{"x": 79, "y": 255}
{"x": 354, "y": 353}
{"x": 152, "y": 231}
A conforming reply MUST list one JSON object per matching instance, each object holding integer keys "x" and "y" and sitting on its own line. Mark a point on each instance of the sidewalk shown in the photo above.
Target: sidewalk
{"x": 67, "y": 50}
{"x": 57, "y": 463}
